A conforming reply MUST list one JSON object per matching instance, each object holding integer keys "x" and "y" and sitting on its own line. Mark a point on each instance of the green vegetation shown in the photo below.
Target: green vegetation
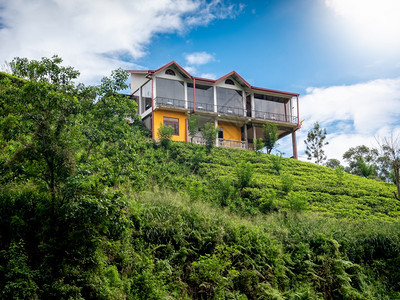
{"x": 270, "y": 133}
{"x": 91, "y": 208}
{"x": 315, "y": 143}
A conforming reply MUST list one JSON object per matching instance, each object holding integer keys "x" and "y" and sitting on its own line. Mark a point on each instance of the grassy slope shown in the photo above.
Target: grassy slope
{"x": 333, "y": 194}
{"x": 343, "y": 244}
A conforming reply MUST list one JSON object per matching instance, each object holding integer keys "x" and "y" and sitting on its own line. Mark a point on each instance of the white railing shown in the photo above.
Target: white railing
{"x": 232, "y": 144}
{"x": 221, "y": 143}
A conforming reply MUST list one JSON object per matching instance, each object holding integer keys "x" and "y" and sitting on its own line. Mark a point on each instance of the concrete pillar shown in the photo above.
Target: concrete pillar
{"x": 252, "y": 106}
{"x": 245, "y": 136}
{"x": 215, "y": 98}
{"x": 140, "y": 101}
{"x": 185, "y": 94}
{"x": 294, "y": 144}
{"x": 216, "y": 126}
{"x": 244, "y": 102}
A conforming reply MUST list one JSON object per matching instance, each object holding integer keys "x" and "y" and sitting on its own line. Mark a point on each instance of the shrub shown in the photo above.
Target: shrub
{"x": 287, "y": 183}
{"x": 165, "y": 134}
{"x": 277, "y": 162}
{"x": 210, "y": 135}
{"x": 297, "y": 201}
{"x": 244, "y": 173}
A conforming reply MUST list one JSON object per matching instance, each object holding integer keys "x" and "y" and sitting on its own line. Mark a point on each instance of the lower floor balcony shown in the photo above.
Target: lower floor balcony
{"x": 225, "y": 143}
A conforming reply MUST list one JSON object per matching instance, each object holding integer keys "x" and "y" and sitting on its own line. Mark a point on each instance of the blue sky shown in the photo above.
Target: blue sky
{"x": 342, "y": 56}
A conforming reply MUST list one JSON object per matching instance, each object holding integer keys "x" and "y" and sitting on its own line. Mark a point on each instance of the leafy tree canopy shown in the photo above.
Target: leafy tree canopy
{"x": 315, "y": 143}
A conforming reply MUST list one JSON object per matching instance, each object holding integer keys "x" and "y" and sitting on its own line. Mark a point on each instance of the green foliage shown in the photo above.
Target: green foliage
{"x": 226, "y": 190}
{"x": 125, "y": 223}
{"x": 287, "y": 183}
{"x": 277, "y": 162}
{"x": 258, "y": 145}
{"x": 339, "y": 172}
{"x": 270, "y": 132}
{"x": 209, "y": 133}
{"x": 314, "y": 144}
{"x": 366, "y": 170}
{"x": 165, "y": 135}
{"x": 193, "y": 125}
{"x": 297, "y": 201}
{"x": 244, "y": 174}
{"x": 333, "y": 163}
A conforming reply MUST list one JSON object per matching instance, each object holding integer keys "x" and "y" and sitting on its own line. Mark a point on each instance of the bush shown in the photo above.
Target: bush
{"x": 165, "y": 134}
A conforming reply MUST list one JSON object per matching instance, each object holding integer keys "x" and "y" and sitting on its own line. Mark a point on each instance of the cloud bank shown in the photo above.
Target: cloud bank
{"x": 352, "y": 114}
{"x": 98, "y": 36}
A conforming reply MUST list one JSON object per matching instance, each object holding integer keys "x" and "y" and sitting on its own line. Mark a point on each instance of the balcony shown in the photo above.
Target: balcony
{"x": 225, "y": 110}
{"x": 222, "y": 143}
{"x": 229, "y": 110}
{"x": 162, "y": 101}
{"x": 275, "y": 117}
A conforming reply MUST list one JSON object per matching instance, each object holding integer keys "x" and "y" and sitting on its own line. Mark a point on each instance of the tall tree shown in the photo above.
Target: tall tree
{"x": 390, "y": 147}
{"x": 193, "y": 125}
{"x": 209, "y": 133}
{"x": 270, "y": 132}
{"x": 333, "y": 163}
{"x": 353, "y": 156}
{"x": 315, "y": 143}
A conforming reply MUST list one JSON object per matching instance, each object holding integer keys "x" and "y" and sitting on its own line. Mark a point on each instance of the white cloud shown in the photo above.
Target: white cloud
{"x": 96, "y": 37}
{"x": 208, "y": 75}
{"x": 374, "y": 23}
{"x": 191, "y": 70}
{"x": 353, "y": 115}
{"x": 199, "y": 58}
{"x": 215, "y": 9}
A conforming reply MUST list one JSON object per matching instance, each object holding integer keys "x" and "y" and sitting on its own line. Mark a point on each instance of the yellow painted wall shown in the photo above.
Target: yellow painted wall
{"x": 231, "y": 131}
{"x": 159, "y": 118}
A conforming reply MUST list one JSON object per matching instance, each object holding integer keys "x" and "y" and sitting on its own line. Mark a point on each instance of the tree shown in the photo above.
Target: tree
{"x": 315, "y": 143}
{"x": 258, "y": 145}
{"x": 390, "y": 148}
{"x": 333, "y": 163}
{"x": 209, "y": 133}
{"x": 356, "y": 156}
{"x": 165, "y": 134}
{"x": 45, "y": 106}
{"x": 270, "y": 133}
{"x": 193, "y": 125}
{"x": 367, "y": 170}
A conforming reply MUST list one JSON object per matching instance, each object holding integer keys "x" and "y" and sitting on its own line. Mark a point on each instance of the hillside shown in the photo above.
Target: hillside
{"x": 92, "y": 208}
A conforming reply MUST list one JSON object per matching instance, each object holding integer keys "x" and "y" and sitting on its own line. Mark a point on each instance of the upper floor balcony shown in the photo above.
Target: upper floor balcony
{"x": 226, "y": 110}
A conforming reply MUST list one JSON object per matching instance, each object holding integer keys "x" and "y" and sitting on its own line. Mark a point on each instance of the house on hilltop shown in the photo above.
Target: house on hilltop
{"x": 167, "y": 95}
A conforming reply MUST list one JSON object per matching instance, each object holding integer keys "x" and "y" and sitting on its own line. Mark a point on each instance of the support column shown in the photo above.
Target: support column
{"x": 216, "y": 126}
{"x": 215, "y": 99}
{"x": 254, "y": 133}
{"x": 245, "y": 136}
{"x": 253, "y": 115}
{"x": 140, "y": 101}
{"x": 185, "y": 94}
{"x": 244, "y": 102}
{"x": 294, "y": 144}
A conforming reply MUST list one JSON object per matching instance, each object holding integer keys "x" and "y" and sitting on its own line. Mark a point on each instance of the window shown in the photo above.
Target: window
{"x": 229, "y": 81}
{"x": 220, "y": 133}
{"x": 174, "y": 123}
{"x": 170, "y": 72}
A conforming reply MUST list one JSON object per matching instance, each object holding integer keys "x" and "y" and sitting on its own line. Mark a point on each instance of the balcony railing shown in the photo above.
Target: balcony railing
{"x": 275, "y": 117}
{"x": 229, "y": 110}
{"x": 202, "y": 106}
{"x": 221, "y": 143}
{"x": 162, "y": 101}
{"x": 226, "y": 110}
{"x": 232, "y": 144}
